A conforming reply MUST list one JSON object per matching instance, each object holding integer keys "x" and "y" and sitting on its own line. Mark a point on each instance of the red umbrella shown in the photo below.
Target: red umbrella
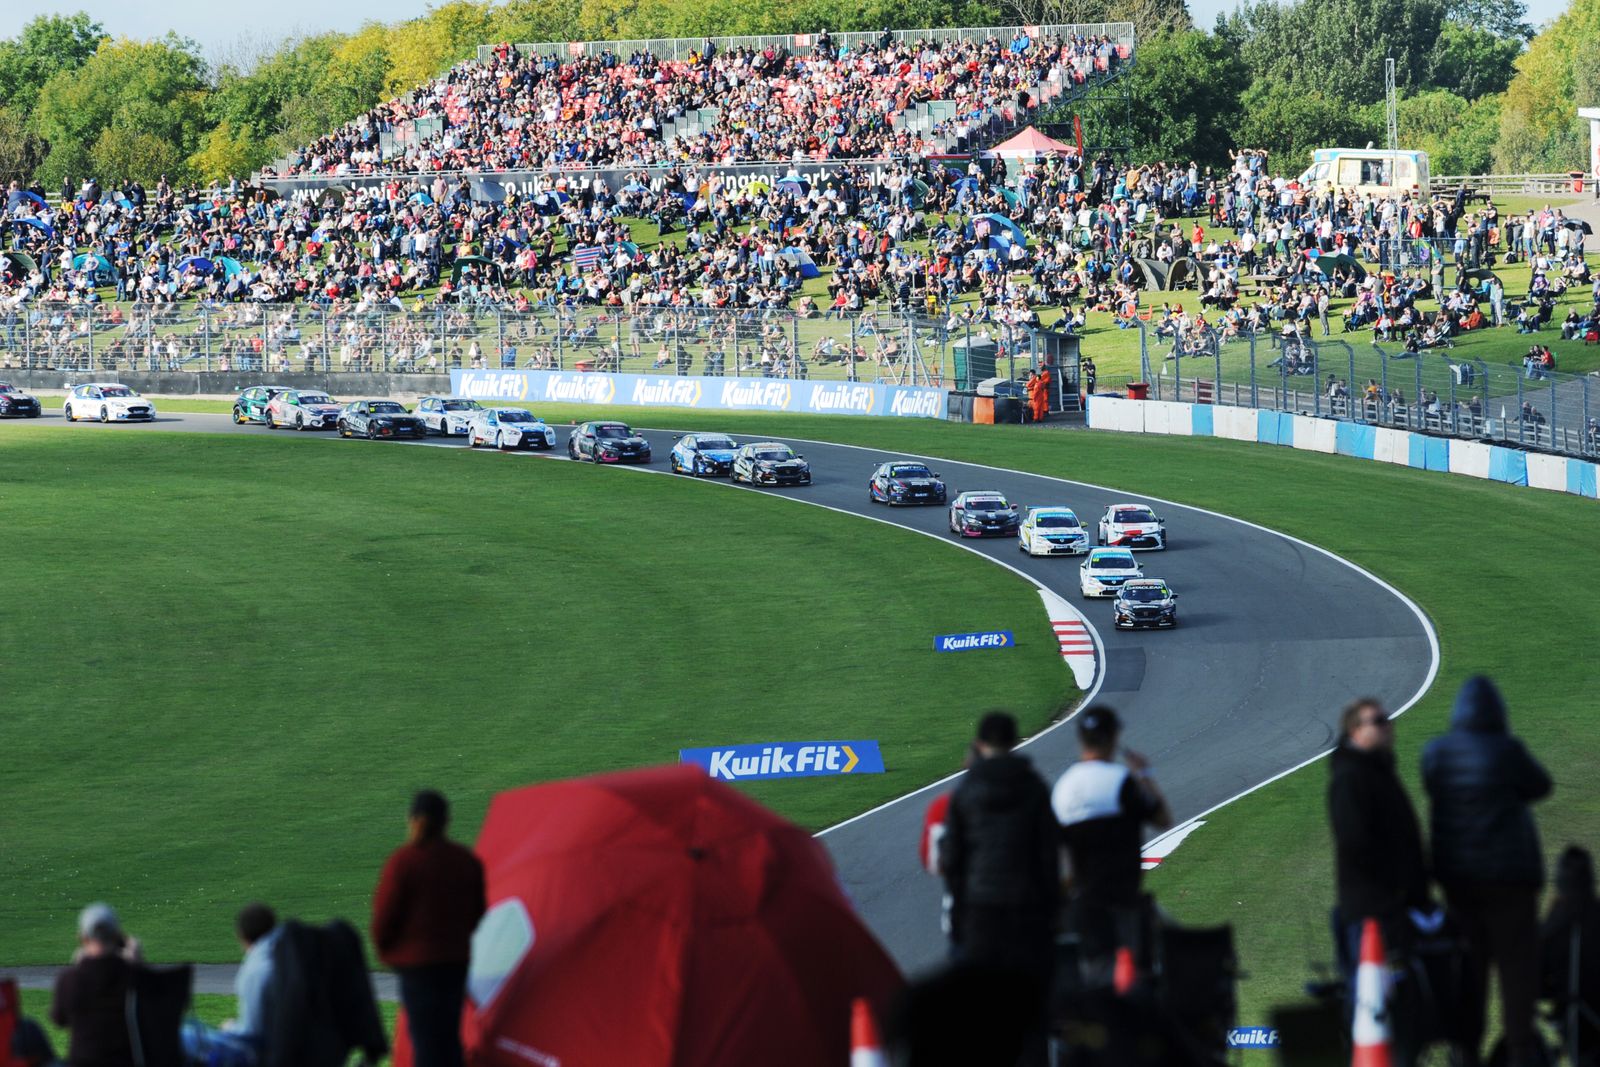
{"x": 661, "y": 917}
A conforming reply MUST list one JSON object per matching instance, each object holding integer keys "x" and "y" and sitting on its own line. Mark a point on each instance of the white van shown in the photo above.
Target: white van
{"x": 1367, "y": 171}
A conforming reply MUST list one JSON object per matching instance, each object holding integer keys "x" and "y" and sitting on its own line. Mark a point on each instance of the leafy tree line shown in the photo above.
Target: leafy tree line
{"x": 1480, "y": 90}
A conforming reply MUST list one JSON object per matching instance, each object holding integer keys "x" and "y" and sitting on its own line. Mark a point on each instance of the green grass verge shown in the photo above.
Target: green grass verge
{"x": 230, "y": 660}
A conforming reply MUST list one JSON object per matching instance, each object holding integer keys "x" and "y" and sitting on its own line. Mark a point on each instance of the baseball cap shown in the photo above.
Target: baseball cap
{"x": 1099, "y": 723}
{"x": 98, "y": 920}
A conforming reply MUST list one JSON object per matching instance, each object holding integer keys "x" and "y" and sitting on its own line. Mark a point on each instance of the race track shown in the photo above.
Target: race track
{"x": 1274, "y": 637}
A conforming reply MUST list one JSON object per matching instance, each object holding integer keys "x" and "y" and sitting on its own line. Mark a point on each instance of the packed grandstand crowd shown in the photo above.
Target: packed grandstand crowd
{"x": 990, "y": 243}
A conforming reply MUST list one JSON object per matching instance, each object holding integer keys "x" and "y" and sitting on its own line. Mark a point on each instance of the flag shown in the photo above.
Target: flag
{"x": 586, "y": 257}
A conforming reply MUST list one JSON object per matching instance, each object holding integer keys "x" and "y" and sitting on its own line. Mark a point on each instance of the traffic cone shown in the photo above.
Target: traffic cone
{"x": 1123, "y": 972}
{"x": 1370, "y": 1032}
{"x": 866, "y": 1048}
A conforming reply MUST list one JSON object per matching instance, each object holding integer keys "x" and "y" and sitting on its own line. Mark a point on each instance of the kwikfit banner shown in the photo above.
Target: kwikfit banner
{"x": 786, "y": 759}
{"x": 710, "y": 394}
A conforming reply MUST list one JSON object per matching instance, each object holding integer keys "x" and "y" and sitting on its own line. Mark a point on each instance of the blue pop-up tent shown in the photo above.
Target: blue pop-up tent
{"x": 792, "y": 186}
{"x": 198, "y": 264}
{"x": 1003, "y": 233}
{"x": 104, "y": 272}
{"x": 798, "y": 257}
{"x": 38, "y": 224}
{"x": 22, "y": 196}
{"x": 230, "y": 266}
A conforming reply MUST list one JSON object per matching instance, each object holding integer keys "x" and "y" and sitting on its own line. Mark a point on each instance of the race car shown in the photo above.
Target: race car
{"x": 304, "y": 409}
{"x": 1145, "y": 602}
{"x": 608, "y": 442}
{"x": 984, "y": 513}
{"x": 108, "y": 402}
{"x": 15, "y": 404}
{"x": 1053, "y": 532}
{"x": 1103, "y": 573}
{"x": 251, "y": 405}
{"x": 509, "y": 428}
{"x": 1132, "y": 526}
{"x": 703, "y": 454}
{"x": 447, "y": 415}
{"x": 769, "y": 463}
{"x": 905, "y": 483}
{"x": 379, "y": 419}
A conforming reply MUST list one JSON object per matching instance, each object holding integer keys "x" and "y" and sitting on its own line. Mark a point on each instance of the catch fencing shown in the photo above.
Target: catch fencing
{"x": 1431, "y": 391}
{"x": 887, "y": 347}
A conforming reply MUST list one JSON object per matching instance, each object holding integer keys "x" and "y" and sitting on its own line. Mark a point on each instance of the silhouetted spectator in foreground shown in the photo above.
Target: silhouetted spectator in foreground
{"x": 1486, "y": 854}
{"x": 1569, "y": 955}
{"x": 429, "y": 900}
{"x": 91, "y": 996}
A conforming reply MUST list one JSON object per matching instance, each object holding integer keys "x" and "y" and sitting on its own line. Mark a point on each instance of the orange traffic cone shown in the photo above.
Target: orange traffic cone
{"x": 866, "y": 1048}
{"x": 1123, "y": 972}
{"x": 1370, "y": 1032}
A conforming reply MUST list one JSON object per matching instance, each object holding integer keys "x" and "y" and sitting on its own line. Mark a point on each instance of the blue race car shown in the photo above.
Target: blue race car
{"x": 703, "y": 455}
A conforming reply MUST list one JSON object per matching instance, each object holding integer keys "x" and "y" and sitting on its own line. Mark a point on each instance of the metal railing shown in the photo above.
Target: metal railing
{"x": 1514, "y": 184}
{"x": 1432, "y": 391}
{"x": 895, "y": 346}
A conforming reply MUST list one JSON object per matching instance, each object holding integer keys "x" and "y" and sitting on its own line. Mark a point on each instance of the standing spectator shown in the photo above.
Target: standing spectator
{"x": 429, "y": 900}
{"x": 1486, "y": 854}
{"x": 1103, "y": 807}
{"x": 90, "y": 999}
{"x": 1569, "y": 955}
{"x": 1377, "y": 841}
{"x": 999, "y": 856}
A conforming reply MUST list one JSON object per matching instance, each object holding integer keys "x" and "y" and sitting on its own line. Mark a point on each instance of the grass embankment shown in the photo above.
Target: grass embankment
{"x": 229, "y": 661}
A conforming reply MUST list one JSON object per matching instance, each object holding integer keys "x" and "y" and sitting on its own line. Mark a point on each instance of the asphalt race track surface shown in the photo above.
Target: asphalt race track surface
{"x": 1274, "y": 636}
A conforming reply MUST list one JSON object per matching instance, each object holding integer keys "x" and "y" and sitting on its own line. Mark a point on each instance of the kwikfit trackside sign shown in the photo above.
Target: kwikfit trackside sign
{"x": 710, "y": 394}
{"x": 1252, "y": 1037}
{"x": 972, "y": 642}
{"x": 786, "y": 759}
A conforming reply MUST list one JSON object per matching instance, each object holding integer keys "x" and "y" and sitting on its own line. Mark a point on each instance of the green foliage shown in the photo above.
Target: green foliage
{"x": 1289, "y": 122}
{"x": 20, "y": 150}
{"x": 1458, "y": 135}
{"x": 1336, "y": 48}
{"x": 47, "y": 44}
{"x": 1185, "y": 87}
{"x": 1472, "y": 62}
{"x": 227, "y": 151}
{"x": 1560, "y": 71}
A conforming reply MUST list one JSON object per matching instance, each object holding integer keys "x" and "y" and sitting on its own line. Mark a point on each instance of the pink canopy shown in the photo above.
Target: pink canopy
{"x": 1030, "y": 142}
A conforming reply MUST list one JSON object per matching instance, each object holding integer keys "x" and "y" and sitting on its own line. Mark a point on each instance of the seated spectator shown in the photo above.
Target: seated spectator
{"x": 90, "y": 997}
{"x": 241, "y": 1042}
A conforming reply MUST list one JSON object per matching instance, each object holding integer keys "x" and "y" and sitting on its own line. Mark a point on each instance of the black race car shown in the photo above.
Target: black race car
{"x": 770, "y": 463}
{"x": 905, "y": 483}
{"x": 608, "y": 442}
{"x": 15, "y": 404}
{"x": 980, "y": 513}
{"x": 1145, "y": 602}
{"x": 379, "y": 419}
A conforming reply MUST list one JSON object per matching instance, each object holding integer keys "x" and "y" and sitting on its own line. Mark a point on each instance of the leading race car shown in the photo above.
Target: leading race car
{"x": 770, "y": 463}
{"x": 1145, "y": 602}
{"x": 1053, "y": 532}
{"x": 379, "y": 419}
{"x": 15, "y": 404}
{"x": 509, "y": 428}
{"x": 304, "y": 409}
{"x": 905, "y": 483}
{"x": 251, "y": 404}
{"x": 703, "y": 454}
{"x": 108, "y": 402}
{"x": 447, "y": 415}
{"x": 1132, "y": 526}
{"x": 984, "y": 514}
{"x": 1103, "y": 573}
{"x": 608, "y": 442}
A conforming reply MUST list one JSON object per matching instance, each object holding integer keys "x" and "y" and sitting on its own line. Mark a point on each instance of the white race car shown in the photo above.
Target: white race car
{"x": 1132, "y": 526}
{"x": 108, "y": 402}
{"x": 1103, "y": 573}
{"x": 1053, "y": 532}
{"x": 509, "y": 428}
{"x": 447, "y": 415}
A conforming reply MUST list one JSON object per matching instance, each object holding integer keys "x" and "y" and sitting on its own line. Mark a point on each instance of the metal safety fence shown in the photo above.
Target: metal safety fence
{"x": 1431, "y": 391}
{"x": 891, "y": 347}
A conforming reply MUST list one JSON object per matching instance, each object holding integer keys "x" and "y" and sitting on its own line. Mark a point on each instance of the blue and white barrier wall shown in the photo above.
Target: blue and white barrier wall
{"x": 711, "y": 394}
{"x": 1475, "y": 459}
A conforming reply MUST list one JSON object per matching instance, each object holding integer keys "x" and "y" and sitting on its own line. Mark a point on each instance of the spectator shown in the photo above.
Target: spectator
{"x": 90, "y": 998}
{"x": 1480, "y": 782}
{"x": 999, "y": 856}
{"x": 1378, "y": 860}
{"x": 1103, "y": 807}
{"x": 242, "y": 1040}
{"x": 1569, "y": 955}
{"x": 30, "y": 1046}
{"x": 428, "y": 902}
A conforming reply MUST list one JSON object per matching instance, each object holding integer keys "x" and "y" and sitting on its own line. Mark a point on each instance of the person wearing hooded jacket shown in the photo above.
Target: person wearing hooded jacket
{"x": 1481, "y": 782}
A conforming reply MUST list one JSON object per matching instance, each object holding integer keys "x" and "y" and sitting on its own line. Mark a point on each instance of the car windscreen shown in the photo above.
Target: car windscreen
{"x": 1111, "y": 563}
{"x": 774, "y": 455}
{"x": 1134, "y": 515}
{"x": 1144, "y": 594}
{"x": 612, "y": 430}
{"x": 313, "y": 398}
{"x": 909, "y": 470}
{"x": 986, "y": 504}
{"x": 716, "y": 444}
{"x": 115, "y": 390}
{"x": 515, "y": 416}
{"x": 8, "y": 388}
{"x": 1057, "y": 521}
{"x": 460, "y": 405}
{"x": 388, "y": 408}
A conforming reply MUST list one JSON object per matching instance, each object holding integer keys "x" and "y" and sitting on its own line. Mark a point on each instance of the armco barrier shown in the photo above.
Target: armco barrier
{"x": 1474, "y": 459}
{"x": 711, "y": 394}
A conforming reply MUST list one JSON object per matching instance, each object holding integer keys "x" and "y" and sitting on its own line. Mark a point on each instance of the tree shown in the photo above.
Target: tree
{"x": 1185, "y": 87}
{"x": 1499, "y": 18}
{"x": 424, "y": 47}
{"x": 1289, "y": 122}
{"x": 20, "y": 151}
{"x": 1559, "y": 72}
{"x": 227, "y": 152}
{"x": 1337, "y": 48}
{"x": 1472, "y": 62}
{"x": 1457, "y": 134}
{"x": 47, "y": 44}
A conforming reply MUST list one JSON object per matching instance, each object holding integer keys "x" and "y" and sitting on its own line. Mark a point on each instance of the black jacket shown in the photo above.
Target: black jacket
{"x": 1000, "y": 846}
{"x": 319, "y": 1006}
{"x": 1377, "y": 840}
{"x": 1480, "y": 781}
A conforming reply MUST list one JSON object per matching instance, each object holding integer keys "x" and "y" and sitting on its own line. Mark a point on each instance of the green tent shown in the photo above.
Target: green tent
{"x": 1331, "y": 264}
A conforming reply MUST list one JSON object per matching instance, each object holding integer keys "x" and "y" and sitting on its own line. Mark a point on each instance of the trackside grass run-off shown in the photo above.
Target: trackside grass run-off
{"x": 230, "y": 661}
{"x": 1507, "y": 575}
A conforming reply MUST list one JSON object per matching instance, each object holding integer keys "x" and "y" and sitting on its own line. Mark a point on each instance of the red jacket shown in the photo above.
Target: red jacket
{"x": 429, "y": 900}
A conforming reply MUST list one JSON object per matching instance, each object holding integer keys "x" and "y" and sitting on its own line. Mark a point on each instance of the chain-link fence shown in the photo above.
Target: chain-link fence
{"x": 871, "y": 346}
{"x": 1432, "y": 391}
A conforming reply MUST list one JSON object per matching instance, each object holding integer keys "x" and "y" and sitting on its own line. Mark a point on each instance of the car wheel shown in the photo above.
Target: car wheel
{"x": 372, "y": 431}
{"x": 500, "y": 441}
{"x": 104, "y": 415}
{"x": 238, "y": 417}
{"x": 271, "y": 423}
{"x": 344, "y": 428}
{"x": 66, "y": 411}
{"x": 572, "y": 451}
